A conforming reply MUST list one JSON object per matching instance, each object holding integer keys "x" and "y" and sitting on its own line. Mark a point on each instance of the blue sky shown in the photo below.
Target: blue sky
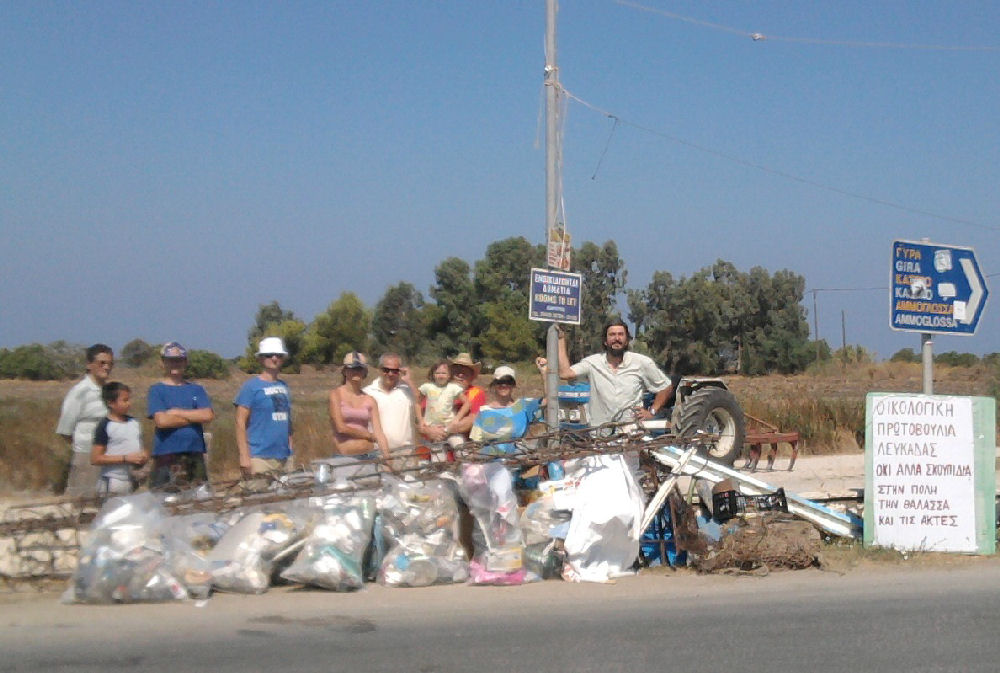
{"x": 165, "y": 168}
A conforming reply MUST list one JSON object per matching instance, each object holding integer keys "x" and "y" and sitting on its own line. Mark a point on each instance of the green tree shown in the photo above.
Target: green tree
{"x": 272, "y": 320}
{"x": 853, "y": 354}
{"x": 502, "y": 285}
{"x": 343, "y": 327}
{"x": 722, "y": 320}
{"x": 399, "y": 321}
{"x": 451, "y": 320}
{"x": 604, "y": 276}
{"x": 509, "y": 336}
{"x": 956, "y": 359}
{"x": 58, "y": 360}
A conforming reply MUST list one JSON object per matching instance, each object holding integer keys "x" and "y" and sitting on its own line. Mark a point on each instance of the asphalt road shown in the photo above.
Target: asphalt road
{"x": 889, "y": 619}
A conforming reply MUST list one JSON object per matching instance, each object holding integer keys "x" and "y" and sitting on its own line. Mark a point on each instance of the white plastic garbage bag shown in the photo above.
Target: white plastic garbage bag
{"x": 243, "y": 559}
{"x": 603, "y": 538}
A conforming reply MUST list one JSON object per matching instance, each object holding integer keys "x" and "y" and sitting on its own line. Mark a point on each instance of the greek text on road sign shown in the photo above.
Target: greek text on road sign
{"x": 555, "y": 296}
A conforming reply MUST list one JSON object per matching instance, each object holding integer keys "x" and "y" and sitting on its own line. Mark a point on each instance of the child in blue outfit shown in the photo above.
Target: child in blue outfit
{"x": 504, "y": 417}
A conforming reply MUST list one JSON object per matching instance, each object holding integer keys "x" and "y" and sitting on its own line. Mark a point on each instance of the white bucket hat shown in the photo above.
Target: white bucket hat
{"x": 271, "y": 345}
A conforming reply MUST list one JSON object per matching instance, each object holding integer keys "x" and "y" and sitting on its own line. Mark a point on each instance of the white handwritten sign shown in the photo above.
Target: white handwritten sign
{"x": 922, "y": 472}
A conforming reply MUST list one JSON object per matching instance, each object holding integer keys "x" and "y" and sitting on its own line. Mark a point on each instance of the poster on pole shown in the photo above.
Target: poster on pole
{"x": 559, "y": 247}
{"x": 555, "y": 296}
{"x": 930, "y": 476}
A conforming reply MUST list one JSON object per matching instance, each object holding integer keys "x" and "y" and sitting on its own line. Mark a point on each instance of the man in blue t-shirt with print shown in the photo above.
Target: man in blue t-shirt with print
{"x": 264, "y": 415}
{"x": 179, "y": 409}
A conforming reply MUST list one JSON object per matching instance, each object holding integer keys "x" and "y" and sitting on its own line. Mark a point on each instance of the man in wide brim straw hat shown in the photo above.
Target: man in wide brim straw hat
{"x": 464, "y": 372}
{"x": 465, "y": 360}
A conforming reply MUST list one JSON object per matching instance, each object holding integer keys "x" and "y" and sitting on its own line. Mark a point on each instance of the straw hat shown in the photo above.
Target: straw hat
{"x": 465, "y": 360}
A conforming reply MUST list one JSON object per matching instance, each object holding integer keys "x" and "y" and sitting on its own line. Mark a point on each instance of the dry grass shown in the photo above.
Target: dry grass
{"x": 826, "y": 406}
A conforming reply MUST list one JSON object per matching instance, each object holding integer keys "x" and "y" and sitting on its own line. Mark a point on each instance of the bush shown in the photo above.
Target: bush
{"x": 956, "y": 359}
{"x": 905, "y": 355}
{"x": 137, "y": 353}
{"x": 206, "y": 365}
{"x": 58, "y": 360}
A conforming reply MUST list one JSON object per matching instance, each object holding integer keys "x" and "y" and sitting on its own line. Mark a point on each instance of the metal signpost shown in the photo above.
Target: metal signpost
{"x": 936, "y": 289}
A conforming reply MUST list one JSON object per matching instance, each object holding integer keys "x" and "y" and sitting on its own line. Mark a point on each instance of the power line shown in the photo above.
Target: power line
{"x": 773, "y": 171}
{"x": 761, "y": 37}
{"x": 846, "y": 289}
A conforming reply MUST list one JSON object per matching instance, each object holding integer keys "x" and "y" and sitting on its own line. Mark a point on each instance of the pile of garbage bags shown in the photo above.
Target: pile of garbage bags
{"x": 406, "y": 534}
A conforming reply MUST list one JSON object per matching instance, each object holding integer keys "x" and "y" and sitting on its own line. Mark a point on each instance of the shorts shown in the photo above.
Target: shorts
{"x": 270, "y": 465}
{"x": 83, "y": 476}
{"x": 108, "y": 487}
{"x": 178, "y": 470}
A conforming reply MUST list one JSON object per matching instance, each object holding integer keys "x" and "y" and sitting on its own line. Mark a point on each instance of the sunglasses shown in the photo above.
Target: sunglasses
{"x": 272, "y": 355}
{"x": 390, "y": 370}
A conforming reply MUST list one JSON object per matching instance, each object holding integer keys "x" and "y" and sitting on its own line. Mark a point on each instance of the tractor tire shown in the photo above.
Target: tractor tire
{"x": 714, "y": 411}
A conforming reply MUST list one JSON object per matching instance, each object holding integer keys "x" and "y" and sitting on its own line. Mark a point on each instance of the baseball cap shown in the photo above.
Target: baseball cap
{"x": 504, "y": 372}
{"x": 355, "y": 360}
{"x": 172, "y": 349}
{"x": 271, "y": 345}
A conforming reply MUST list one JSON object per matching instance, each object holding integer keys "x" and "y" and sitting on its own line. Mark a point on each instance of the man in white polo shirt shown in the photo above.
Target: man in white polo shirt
{"x": 393, "y": 391}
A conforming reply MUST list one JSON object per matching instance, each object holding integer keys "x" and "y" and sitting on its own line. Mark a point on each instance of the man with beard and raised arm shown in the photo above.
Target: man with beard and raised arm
{"x": 618, "y": 378}
{"x": 603, "y": 538}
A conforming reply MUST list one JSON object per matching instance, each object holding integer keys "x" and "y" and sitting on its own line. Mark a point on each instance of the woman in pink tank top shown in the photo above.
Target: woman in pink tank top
{"x": 353, "y": 414}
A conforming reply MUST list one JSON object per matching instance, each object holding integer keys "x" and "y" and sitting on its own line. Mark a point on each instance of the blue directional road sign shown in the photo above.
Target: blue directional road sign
{"x": 936, "y": 288}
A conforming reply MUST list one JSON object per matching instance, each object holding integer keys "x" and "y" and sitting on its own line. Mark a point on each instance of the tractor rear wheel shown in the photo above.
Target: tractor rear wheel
{"x": 714, "y": 411}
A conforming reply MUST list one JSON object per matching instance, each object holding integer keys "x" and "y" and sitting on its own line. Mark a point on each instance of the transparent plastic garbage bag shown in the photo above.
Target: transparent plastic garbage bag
{"x": 333, "y": 553}
{"x": 129, "y": 557}
{"x": 419, "y": 524}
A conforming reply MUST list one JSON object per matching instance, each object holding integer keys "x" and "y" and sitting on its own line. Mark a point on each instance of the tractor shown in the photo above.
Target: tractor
{"x": 696, "y": 405}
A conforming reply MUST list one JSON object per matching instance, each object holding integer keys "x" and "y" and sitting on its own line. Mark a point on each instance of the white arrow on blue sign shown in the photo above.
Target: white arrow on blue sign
{"x": 936, "y": 288}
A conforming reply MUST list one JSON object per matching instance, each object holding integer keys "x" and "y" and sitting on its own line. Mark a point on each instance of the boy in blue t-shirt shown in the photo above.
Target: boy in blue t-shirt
{"x": 179, "y": 408}
{"x": 264, "y": 414}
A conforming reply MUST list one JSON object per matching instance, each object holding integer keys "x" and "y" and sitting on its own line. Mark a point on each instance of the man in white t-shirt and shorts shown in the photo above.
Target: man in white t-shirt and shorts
{"x": 393, "y": 391}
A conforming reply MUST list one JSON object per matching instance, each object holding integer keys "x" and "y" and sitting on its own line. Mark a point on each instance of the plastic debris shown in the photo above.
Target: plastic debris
{"x": 333, "y": 554}
{"x": 419, "y": 524}
{"x": 498, "y": 557}
{"x": 244, "y": 557}
{"x": 130, "y": 558}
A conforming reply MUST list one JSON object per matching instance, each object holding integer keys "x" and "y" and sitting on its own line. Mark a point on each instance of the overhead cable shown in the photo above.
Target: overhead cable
{"x": 757, "y": 36}
{"x": 773, "y": 171}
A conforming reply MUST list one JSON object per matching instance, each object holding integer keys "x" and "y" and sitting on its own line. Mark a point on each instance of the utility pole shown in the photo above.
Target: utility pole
{"x": 816, "y": 326}
{"x": 552, "y": 196}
